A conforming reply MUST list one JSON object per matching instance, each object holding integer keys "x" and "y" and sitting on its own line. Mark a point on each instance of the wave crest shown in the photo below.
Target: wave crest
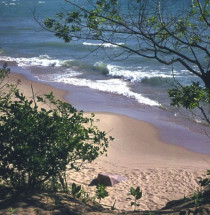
{"x": 116, "y": 86}
{"x": 158, "y": 81}
{"x": 101, "y": 67}
{"x": 105, "y": 45}
{"x": 42, "y": 60}
{"x": 143, "y": 75}
{"x": 1, "y": 50}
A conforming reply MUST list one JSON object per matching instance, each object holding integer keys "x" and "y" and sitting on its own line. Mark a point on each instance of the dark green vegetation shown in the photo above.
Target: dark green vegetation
{"x": 137, "y": 194}
{"x": 158, "y": 33}
{"x": 206, "y": 182}
{"x": 34, "y": 202}
{"x": 101, "y": 192}
{"x": 192, "y": 97}
{"x": 38, "y": 145}
{"x": 76, "y": 191}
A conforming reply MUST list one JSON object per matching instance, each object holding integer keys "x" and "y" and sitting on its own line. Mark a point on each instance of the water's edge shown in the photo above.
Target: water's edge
{"x": 173, "y": 130}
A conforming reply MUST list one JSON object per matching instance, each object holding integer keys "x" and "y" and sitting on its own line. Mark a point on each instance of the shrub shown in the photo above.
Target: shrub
{"x": 137, "y": 194}
{"x": 76, "y": 190}
{"x": 38, "y": 144}
{"x": 101, "y": 192}
{"x": 6, "y": 89}
{"x": 206, "y": 181}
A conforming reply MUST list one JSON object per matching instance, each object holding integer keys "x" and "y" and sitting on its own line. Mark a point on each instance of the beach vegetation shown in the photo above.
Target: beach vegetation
{"x": 4, "y": 72}
{"x": 13, "y": 210}
{"x": 41, "y": 138}
{"x": 85, "y": 196}
{"x": 76, "y": 190}
{"x": 206, "y": 181}
{"x": 113, "y": 206}
{"x": 137, "y": 194}
{"x": 101, "y": 192}
{"x": 197, "y": 199}
{"x": 157, "y": 32}
{"x": 6, "y": 89}
{"x": 192, "y": 97}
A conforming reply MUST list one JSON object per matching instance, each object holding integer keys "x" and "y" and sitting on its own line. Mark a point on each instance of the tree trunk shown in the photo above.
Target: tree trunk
{"x": 206, "y": 79}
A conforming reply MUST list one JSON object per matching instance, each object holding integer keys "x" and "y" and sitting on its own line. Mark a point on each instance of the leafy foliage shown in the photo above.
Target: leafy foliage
{"x": 197, "y": 199}
{"x": 101, "y": 192}
{"x": 4, "y": 72}
{"x": 191, "y": 97}
{"x": 85, "y": 196}
{"x": 137, "y": 194}
{"x": 39, "y": 144}
{"x": 76, "y": 190}
{"x": 206, "y": 181}
{"x": 6, "y": 89}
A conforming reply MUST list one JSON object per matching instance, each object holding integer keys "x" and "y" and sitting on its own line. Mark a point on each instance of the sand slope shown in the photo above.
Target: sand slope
{"x": 164, "y": 172}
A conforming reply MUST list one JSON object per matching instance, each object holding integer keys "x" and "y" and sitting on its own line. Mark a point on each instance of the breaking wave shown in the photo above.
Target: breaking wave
{"x": 112, "y": 79}
{"x": 116, "y": 86}
{"x": 42, "y": 60}
{"x": 105, "y": 45}
{"x": 139, "y": 74}
{"x": 1, "y": 50}
{"x": 158, "y": 81}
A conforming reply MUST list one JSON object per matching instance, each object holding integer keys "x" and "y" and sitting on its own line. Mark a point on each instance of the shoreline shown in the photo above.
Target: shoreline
{"x": 164, "y": 171}
{"x": 135, "y": 129}
{"x": 174, "y": 130}
{"x": 65, "y": 95}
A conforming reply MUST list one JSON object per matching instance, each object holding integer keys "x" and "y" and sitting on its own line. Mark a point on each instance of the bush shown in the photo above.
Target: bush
{"x": 192, "y": 97}
{"x": 101, "y": 192}
{"x": 137, "y": 194}
{"x": 38, "y": 144}
{"x": 206, "y": 181}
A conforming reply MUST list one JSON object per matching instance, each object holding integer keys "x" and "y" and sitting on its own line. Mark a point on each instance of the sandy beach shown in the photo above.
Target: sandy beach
{"x": 163, "y": 171}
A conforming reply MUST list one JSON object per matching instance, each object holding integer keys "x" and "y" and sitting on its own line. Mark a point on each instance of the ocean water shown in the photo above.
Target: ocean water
{"x": 135, "y": 86}
{"x": 22, "y": 40}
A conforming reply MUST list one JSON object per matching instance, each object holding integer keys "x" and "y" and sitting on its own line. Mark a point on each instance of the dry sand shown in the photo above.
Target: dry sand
{"x": 164, "y": 171}
{"x": 38, "y": 88}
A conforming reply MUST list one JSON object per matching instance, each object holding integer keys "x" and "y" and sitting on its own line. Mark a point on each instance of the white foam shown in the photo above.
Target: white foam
{"x": 41, "y": 2}
{"x": 106, "y": 45}
{"x": 42, "y": 60}
{"x": 116, "y": 86}
{"x": 138, "y": 75}
{"x": 100, "y": 64}
{"x": 52, "y": 77}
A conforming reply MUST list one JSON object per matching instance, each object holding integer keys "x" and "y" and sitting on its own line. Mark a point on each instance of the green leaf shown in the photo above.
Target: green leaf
{"x": 138, "y": 189}
{"x": 132, "y": 191}
{"x": 139, "y": 195}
